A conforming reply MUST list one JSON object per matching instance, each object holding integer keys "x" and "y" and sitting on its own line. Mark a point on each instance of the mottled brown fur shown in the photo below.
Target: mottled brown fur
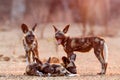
{"x": 47, "y": 69}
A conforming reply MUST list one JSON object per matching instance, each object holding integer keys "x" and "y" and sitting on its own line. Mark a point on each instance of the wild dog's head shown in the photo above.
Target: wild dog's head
{"x": 69, "y": 63}
{"x": 29, "y": 34}
{"x": 34, "y": 69}
{"x": 61, "y": 35}
{"x": 38, "y": 68}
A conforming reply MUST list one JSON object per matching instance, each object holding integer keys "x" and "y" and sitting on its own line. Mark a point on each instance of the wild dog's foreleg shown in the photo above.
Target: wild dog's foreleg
{"x": 27, "y": 57}
{"x": 37, "y": 53}
{"x": 33, "y": 56}
{"x": 73, "y": 57}
{"x": 69, "y": 54}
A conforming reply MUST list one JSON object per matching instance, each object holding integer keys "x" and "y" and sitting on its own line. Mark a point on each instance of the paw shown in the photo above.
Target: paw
{"x": 101, "y": 73}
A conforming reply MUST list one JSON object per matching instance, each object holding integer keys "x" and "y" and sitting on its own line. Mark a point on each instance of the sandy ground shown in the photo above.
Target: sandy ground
{"x": 87, "y": 64}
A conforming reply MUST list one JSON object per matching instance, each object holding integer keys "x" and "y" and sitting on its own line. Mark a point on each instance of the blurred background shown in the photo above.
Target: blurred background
{"x": 104, "y": 13}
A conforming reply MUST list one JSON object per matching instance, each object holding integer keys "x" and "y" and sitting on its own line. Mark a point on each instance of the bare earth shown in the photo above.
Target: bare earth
{"x": 87, "y": 64}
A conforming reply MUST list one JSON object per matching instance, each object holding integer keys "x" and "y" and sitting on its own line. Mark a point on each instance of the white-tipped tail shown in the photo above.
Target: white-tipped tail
{"x": 105, "y": 52}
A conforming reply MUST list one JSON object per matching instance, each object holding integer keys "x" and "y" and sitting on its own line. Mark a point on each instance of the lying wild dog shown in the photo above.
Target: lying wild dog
{"x": 48, "y": 69}
{"x": 30, "y": 42}
{"x": 37, "y": 68}
{"x": 83, "y": 45}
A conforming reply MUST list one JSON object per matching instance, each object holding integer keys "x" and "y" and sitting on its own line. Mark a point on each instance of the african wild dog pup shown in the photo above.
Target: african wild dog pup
{"x": 30, "y": 42}
{"x": 83, "y": 45}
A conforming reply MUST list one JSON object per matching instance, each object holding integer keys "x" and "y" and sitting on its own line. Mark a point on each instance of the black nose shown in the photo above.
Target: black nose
{"x": 74, "y": 71}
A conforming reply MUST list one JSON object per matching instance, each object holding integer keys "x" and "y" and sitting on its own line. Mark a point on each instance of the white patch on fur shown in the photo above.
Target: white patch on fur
{"x": 101, "y": 42}
{"x": 28, "y": 47}
{"x": 49, "y": 74}
{"x": 102, "y": 59}
{"x": 40, "y": 73}
{"x": 70, "y": 65}
{"x": 28, "y": 33}
{"x": 66, "y": 34}
{"x": 73, "y": 75}
{"x": 102, "y": 71}
{"x": 63, "y": 70}
{"x": 96, "y": 40}
{"x": 73, "y": 44}
{"x": 105, "y": 52}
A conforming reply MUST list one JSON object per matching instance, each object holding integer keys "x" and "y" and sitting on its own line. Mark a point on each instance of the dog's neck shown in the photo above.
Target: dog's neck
{"x": 65, "y": 41}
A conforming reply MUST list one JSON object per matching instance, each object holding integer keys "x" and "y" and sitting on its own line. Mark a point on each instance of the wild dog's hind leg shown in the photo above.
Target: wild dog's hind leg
{"x": 102, "y": 55}
{"x": 101, "y": 60}
{"x": 105, "y": 52}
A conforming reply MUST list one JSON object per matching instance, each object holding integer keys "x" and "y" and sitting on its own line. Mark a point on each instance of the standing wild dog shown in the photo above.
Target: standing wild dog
{"x": 30, "y": 42}
{"x": 83, "y": 45}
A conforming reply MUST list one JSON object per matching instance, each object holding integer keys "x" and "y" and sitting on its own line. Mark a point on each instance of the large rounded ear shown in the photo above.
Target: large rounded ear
{"x": 48, "y": 61}
{"x": 38, "y": 61}
{"x": 34, "y": 27}
{"x": 55, "y": 28}
{"x": 65, "y": 60}
{"x": 73, "y": 57}
{"x": 65, "y": 30}
{"x": 24, "y": 28}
